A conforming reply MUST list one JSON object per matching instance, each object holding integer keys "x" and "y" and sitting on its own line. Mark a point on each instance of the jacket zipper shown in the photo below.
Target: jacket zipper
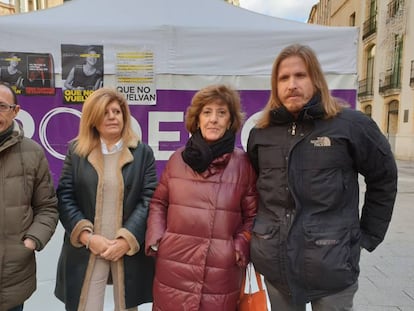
{"x": 293, "y": 129}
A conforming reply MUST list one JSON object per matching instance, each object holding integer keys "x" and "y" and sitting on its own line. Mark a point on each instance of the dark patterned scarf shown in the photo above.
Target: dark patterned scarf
{"x": 198, "y": 154}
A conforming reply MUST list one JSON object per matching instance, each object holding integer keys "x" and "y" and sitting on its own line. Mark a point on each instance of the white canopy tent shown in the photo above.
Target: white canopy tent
{"x": 203, "y": 37}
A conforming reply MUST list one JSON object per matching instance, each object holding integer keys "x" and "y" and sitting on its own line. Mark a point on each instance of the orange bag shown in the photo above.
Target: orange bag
{"x": 256, "y": 301}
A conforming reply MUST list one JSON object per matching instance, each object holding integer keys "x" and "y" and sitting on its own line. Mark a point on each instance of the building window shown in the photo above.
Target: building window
{"x": 392, "y": 122}
{"x": 366, "y": 86}
{"x": 368, "y": 110}
{"x": 393, "y": 7}
{"x": 370, "y": 25}
{"x": 398, "y": 48}
{"x": 373, "y": 8}
{"x": 391, "y": 79}
{"x": 412, "y": 74}
{"x": 405, "y": 119}
{"x": 370, "y": 68}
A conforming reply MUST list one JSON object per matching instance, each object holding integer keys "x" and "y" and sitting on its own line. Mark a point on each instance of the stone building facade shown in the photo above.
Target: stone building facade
{"x": 385, "y": 62}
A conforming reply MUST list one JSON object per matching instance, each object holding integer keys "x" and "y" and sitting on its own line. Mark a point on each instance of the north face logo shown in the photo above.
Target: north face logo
{"x": 321, "y": 142}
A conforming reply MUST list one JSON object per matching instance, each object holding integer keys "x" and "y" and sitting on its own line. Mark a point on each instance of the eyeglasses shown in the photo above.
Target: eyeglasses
{"x": 6, "y": 107}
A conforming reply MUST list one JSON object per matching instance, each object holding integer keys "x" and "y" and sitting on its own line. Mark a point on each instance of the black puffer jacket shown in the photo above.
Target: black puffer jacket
{"x": 308, "y": 231}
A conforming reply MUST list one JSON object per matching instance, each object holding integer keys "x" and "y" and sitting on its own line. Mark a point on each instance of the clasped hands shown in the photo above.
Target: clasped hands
{"x": 112, "y": 250}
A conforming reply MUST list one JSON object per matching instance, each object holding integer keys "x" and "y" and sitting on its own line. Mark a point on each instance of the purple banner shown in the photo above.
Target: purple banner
{"x": 53, "y": 125}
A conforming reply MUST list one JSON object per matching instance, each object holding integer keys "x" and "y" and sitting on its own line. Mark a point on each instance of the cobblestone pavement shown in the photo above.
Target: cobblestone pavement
{"x": 386, "y": 281}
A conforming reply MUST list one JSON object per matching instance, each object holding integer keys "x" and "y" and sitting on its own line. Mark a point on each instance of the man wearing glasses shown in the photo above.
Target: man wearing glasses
{"x": 28, "y": 206}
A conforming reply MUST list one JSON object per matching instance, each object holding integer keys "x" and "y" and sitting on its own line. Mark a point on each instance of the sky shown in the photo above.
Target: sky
{"x": 297, "y": 10}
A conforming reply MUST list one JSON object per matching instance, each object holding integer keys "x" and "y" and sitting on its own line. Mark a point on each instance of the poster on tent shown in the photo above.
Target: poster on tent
{"x": 28, "y": 73}
{"x": 135, "y": 77}
{"x": 82, "y": 71}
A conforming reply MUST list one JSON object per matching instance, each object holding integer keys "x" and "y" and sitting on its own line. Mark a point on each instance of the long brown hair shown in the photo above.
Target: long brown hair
{"x": 93, "y": 113}
{"x": 330, "y": 104}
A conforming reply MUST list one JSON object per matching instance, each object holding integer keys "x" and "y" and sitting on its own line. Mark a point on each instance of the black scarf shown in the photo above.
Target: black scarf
{"x": 198, "y": 154}
{"x": 312, "y": 110}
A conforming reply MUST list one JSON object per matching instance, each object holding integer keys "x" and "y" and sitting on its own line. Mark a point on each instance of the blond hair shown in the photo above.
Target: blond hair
{"x": 93, "y": 113}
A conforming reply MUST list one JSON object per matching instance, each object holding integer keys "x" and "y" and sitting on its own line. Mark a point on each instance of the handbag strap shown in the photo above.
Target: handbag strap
{"x": 259, "y": 280}
{"x": 248, "y": 272}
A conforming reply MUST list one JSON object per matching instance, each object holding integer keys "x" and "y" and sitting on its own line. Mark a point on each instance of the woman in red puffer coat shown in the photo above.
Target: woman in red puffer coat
{"x": 202, "y": 211}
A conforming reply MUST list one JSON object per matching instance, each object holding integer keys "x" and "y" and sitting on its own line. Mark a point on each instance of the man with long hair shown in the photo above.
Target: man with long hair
{"x": 308, "y": 151}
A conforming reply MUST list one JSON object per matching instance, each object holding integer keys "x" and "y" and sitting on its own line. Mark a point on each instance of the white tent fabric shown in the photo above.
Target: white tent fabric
{"x": 203, "y": 37}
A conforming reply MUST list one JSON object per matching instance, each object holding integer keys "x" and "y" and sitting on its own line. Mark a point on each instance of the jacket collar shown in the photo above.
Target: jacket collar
{"x": 117, "y": 147}
{"x": 312, "y": 110}
{"x": 96, "y": 156}
{"x": 16, "y": 136}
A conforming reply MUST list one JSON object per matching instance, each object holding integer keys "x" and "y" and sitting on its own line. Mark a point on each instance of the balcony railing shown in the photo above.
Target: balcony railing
{"x": 370, "y": 27}
{"x": 366, "y": 87}
{"x": 412, "y": 74}
{"x": 390, "y": 81}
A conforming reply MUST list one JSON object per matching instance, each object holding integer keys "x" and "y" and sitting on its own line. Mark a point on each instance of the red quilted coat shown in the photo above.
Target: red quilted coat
{"x": 199, "y": 222}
